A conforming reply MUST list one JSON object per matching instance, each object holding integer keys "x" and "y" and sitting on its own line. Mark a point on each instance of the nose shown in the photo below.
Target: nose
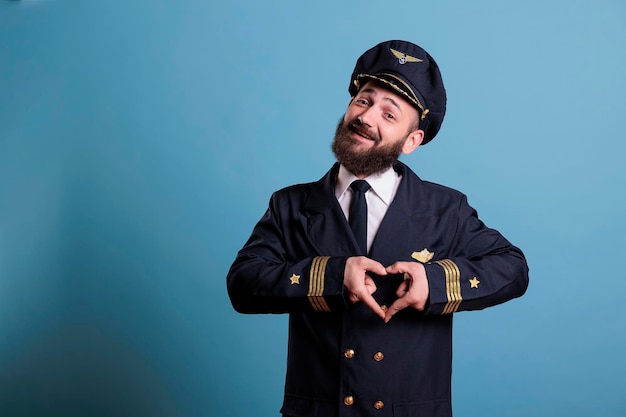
{"x": 367, "y": 117}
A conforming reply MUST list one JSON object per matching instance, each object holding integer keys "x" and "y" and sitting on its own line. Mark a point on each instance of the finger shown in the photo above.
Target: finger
{"x": 397, "y": 268}
{"x": 353, "y": 298}
{"x": 399, "y": 304}
{"x": 370, "y": 284}
{"x": 369, "y": 301}
{"x": 403, "y": 288}
{"x": 373, "y": 266}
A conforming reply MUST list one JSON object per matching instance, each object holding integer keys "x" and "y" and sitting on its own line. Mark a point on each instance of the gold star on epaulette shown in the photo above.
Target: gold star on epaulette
{"x": 474, "y": 282}
{"x": 295, "y": 279}
{"x": 404, "y": 58}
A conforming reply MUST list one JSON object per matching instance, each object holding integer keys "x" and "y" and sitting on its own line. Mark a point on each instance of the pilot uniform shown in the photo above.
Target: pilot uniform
{"x": 344, "y": 360}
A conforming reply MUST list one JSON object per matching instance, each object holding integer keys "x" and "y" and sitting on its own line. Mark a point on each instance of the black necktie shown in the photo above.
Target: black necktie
{"x": 358, "y": 213}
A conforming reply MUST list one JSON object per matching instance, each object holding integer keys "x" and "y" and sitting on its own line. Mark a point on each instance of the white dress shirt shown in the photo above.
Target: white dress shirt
{"x": 384, "y": 186}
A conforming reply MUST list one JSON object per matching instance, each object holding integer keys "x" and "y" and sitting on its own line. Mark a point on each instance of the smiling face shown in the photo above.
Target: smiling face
{"x": 377, "y": 127}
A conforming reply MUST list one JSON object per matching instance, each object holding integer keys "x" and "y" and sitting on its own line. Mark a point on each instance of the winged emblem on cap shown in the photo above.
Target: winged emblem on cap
{"x": 404, "y": 58}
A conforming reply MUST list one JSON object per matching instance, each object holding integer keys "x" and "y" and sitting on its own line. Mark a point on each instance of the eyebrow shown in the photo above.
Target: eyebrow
{"x": 373, "y": 92}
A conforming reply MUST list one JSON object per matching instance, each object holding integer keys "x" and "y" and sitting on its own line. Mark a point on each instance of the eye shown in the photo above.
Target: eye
{"x": 390, "y": 116}
{"x": 362, "y": 101}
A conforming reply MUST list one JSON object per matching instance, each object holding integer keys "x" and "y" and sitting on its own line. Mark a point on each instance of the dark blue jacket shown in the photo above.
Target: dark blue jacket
{"x": 342, "y": 359}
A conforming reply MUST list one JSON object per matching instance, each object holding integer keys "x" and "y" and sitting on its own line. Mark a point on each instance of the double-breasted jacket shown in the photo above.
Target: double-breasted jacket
{"x": 343, "y": 360}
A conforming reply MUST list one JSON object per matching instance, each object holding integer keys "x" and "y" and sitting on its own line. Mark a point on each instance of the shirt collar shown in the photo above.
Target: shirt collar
{"x": 382, "y": 183}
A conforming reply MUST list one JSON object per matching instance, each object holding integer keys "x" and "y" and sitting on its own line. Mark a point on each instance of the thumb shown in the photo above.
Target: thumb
{"x": 394, "y": 269}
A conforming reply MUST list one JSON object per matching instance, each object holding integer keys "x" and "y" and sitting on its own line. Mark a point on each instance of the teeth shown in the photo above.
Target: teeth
{"x": 360, "y": 133}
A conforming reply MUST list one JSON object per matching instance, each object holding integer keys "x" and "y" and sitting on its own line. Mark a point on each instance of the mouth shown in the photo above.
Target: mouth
{"x": 361, "y": 133}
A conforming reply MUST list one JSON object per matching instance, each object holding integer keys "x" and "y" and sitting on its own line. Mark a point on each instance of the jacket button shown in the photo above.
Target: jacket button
{"x": 348, "y": 400}
{"x": 378, "y": 356}
{"x": 378, "y": 405}
{"x": 349, "y": 353}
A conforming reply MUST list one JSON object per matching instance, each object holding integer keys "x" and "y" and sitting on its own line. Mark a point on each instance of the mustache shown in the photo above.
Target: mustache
{"x": 359, "y": 128}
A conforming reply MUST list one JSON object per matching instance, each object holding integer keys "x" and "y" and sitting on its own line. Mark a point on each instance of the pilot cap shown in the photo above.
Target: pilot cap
{"x": 407, "y": 70}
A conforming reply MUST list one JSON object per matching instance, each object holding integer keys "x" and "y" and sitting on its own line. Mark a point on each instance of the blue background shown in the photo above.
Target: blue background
{"x": 140, "y": 142}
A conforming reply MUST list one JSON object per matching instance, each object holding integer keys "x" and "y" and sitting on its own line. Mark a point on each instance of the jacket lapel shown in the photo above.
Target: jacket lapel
{"x": 405, "y": 222}
{"x": 401, "y": 231}
{"x": 325, "y": 224}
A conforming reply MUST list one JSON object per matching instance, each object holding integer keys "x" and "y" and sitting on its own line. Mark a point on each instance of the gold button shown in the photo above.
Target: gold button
{"x": 348, "y": 400}
{"x": 384, "y": 308}
{"x": 349, "y": 353}
{"x": 378, "y": 405}
{"x": 378, "y": 356}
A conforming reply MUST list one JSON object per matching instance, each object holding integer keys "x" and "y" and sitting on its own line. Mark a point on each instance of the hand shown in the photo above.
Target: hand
{"x": 413, "y": 292}
{"x": 359, "y": 285}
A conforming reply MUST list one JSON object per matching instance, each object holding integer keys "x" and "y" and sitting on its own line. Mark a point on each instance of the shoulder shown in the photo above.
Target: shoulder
{"x": 430, "y": 190}
{"x": 296, "y": 191}
{"x": 313, "y": 195}
{"x": 443, "y": 191}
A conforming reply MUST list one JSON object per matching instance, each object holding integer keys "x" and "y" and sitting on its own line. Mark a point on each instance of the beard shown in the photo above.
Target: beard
{"x": 367, "y": 162}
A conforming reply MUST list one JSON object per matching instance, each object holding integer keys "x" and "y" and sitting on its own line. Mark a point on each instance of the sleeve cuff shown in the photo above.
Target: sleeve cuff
{"x": 325, "y": 293}
{"x": 444, "y": 281}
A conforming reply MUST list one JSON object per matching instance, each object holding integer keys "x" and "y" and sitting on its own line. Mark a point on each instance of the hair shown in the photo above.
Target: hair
{"x": 416, "y": 123}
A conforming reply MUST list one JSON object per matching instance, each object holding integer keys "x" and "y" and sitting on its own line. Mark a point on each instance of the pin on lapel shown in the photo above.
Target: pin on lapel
{"x": 423, "y": 256}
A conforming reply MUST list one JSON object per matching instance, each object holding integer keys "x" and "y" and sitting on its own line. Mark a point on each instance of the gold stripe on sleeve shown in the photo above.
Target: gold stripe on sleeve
{"x": 453, "y": 285}
{"x": 316, "y": 283}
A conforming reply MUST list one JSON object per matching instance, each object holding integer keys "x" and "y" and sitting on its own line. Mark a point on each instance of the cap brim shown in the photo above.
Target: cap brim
{"x": 399, "y": 85}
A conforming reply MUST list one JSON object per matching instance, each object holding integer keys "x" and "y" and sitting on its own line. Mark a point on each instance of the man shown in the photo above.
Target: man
{"x": 371, "y": 272}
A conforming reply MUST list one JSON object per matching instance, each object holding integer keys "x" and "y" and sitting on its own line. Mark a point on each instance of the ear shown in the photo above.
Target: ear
{"x": 412, "y": 141}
